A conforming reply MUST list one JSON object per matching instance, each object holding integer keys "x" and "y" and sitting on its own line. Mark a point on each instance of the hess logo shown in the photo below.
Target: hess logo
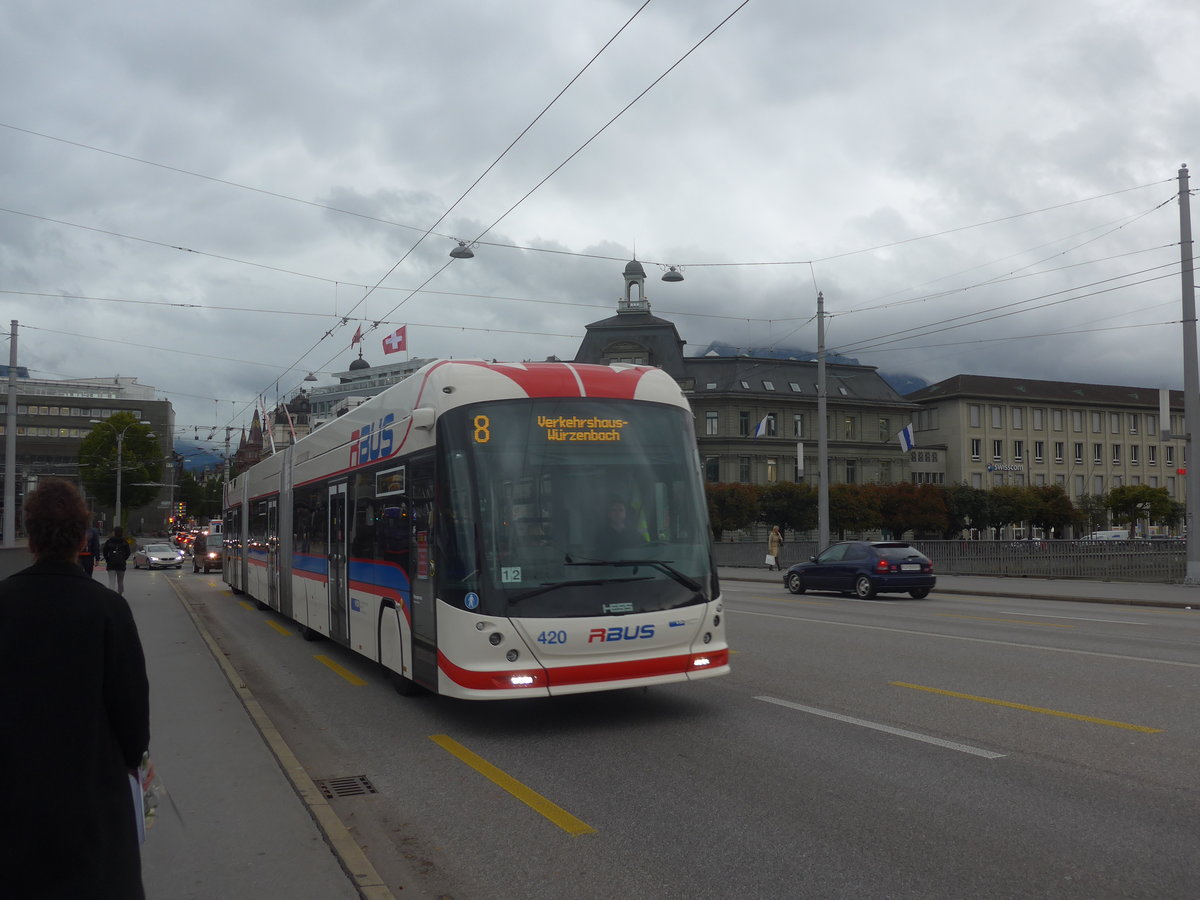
{"x": 632, "y": 633}
{"x": 371, "y": 442}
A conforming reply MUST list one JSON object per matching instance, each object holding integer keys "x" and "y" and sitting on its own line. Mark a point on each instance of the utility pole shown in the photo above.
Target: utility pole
{"x": 10, "y": 444}
{"x": 822, "y": 433}
{"x": 1191, "y": 379}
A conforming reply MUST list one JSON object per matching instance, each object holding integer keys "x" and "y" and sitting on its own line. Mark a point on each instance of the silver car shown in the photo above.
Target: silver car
{"x": 158, "y": 556}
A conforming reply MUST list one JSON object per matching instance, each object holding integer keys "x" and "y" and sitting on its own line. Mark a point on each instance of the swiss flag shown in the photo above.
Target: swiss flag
{"x": 357, "y": 336}
{"x": 396, "y": 341}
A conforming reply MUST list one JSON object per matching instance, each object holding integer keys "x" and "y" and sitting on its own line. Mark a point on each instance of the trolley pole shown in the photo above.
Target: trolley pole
{"x": 822, "y": 433}
{"x": 1191, "y": 380}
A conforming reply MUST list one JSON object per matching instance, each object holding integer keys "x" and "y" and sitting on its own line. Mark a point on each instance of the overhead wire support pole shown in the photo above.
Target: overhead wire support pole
{"x": 1191, "y": 379}
{"x": 822, "y": 433}
{"x": 10, "y": 445}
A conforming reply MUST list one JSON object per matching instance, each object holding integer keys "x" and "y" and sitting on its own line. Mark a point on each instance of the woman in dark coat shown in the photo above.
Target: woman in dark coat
{"x": 74, "y": 718}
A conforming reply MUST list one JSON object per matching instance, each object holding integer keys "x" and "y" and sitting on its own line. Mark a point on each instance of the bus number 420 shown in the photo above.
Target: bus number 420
{"x": 552, "y": 637}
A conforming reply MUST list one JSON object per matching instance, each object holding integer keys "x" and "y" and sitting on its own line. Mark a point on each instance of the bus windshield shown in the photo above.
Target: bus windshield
{"x": 573, "y": 507}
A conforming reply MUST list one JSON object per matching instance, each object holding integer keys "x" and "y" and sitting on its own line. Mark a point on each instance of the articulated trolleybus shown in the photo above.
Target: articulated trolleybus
{"x": 464, "y": 530}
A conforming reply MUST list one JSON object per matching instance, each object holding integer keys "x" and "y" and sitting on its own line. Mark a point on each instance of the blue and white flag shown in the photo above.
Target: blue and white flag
{"x": 906, "y": 438}
{"x": 762, "y": 426}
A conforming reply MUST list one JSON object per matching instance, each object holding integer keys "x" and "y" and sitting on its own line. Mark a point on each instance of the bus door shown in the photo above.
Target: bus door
{"x": 339, "y": 610}
{"x": 424, "y": 610}
{"x": 272, "y": 542}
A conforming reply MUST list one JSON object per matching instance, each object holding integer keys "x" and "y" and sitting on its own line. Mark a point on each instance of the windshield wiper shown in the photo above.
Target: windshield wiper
{"x": 555, "y": 585}
{"x": 662, "y": 564}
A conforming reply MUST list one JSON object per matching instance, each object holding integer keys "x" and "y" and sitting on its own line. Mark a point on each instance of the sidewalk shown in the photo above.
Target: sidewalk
{"x": 234, "y": 826}
{"x": 1177, "y": 596}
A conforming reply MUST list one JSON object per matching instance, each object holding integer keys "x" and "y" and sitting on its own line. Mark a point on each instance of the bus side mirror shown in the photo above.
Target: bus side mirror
{"x": 423, "y": 417}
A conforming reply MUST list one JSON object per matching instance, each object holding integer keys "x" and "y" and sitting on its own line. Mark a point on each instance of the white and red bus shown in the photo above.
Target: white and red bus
{"x": 456, "y": 530}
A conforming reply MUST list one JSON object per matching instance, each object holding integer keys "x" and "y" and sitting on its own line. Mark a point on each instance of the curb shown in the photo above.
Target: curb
{"x": 349, "y": 855}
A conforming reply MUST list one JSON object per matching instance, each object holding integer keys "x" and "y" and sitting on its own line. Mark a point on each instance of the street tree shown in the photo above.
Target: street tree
{"x": 966, "y": 507}
{"x": 1051, "y": 509}
{"x": 141, "y": 462}
{"x": 1131, "y": 502}
{"x": 907, "y": 507}
{"x": 790, "y": 506}
{"x": 731, "y": 507}
{"x": 852, "y": 509}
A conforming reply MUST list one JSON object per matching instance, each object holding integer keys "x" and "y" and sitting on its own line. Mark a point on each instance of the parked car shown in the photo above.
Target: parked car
{"x": 865, "y": 568}
{"x": 158, "y": 556}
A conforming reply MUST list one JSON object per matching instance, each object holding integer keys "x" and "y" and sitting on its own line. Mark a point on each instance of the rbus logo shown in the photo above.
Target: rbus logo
{"x": 371, "y": 442}
{"x": 632, "y": 633}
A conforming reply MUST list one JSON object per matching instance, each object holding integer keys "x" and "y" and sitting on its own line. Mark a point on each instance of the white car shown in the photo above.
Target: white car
{"x": 158, "y": 556}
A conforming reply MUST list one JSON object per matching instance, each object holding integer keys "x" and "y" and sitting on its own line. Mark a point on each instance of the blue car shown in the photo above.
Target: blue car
{"x": 865, "y": 568}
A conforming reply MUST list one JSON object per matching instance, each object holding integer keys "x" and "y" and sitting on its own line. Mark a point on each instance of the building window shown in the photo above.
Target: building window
{"x": 852, "y": 471}
{"x": 1151, "y": 424}
{"x": 997, "y": 450}
{"x": 1078, "y": 486}
{"x": 744, "y": 469}
{"x": 1018, "y": 417}
{"x": 1039, "y": 420}
{"x": 1039, "y": 450}
{"x": 1169, "y": 455}
{"x": 772, "y": 425}
{"x": 795, "y": 387}
{"x": 976, "y": 448}
{"x": 848, "y": 428}
{"x": 769, "y": 385}
{"x": 710, "y": 422}
{"x": 1153, "y": 481}
{"x": 1134, "y": 455}
{"x": 1059, "y": 449}
{"x": 1152, "y": 455}
{"x": 744, "y": 423}
{"x": 975, "y": 415}
{"x": 1097, "y": 423}
{"x": 1076, "y": 420}
{"x": 1116, "y": 481}
{"x": 745, "y": 385}
{"x": 1133, "y": 423}
{"x": 977, "y": 481}
{"x": 1061, "y": 480}
{"x": 1097, "y": 454}
{"x": 885, "y": 471}
{"x": 1114, "y": 423}
{"x": 772, "y": 470}
{"x": 1171, "y": 485}
{"x": 712, "y": 469}
{"x": 1018, "y": 451}
{"x": 1097, "y": 484}
{"x": 798, "y": 425}
{"x": 997, "y": 416}
{"x": 885, "y": 429}
{"x": 1116, "y": 457}
{"x": 1078, "y": 453}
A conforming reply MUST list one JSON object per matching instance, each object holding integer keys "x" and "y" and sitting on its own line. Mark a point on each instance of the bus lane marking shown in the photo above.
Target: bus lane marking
{"x": 1037, "y": 709}
{"x": 1011, "y": 621}
{"x": 528, "y": 796}
{"x": 246, "y": 605}
{"x": 284, "y": 631}
{"x": 345, "y": 673}
{"x": 887, "y": 729}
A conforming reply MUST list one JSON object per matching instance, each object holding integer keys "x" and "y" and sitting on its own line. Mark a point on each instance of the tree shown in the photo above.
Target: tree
{"x": 731, "y": 506}
{"x": 966, "y": 507}
{"x": 1092, "y": 511}
{"x": 1131, "y": 502}
{"x": 852, "y": 508}
{"x": 910, "y": 507}
{"x": 1011, "y": 505}
{"x": 141, "y": 462}
{"x": 1051, "y": 508}
{"x": 788, "y": 505}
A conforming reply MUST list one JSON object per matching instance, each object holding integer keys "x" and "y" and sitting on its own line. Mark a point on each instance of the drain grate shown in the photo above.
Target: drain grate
{"x": 351, "y": 786}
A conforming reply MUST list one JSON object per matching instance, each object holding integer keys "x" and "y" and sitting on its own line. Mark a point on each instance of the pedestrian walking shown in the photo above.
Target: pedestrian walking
{"x": 91, "y": 551}
{"x": 74, "y": 714}
{"x": 199, "y": 552}
{"x": 116, "y": 552}
{"x": 774, "y": 545}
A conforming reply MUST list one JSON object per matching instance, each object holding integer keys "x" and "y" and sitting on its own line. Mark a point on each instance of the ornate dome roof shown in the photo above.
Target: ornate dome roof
{"x": 633, "y": 267}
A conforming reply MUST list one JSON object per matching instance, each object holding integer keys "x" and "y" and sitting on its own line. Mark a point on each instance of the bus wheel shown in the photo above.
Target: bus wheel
{"x": 308, "y": 634}
{"x": 405, "y": 687}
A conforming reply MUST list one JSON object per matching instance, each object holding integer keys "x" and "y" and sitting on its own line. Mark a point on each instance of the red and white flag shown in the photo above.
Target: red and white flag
{"x": 396, "y": 341}
{"x": 357, "y": 336}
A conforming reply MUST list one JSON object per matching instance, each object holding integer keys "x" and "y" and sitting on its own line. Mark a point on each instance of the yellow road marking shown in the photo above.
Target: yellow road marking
{"x": 1016, "y": 621}
{"x": 529, "y": 797}
{"x": 345, "y": 673}
{"x": 248, "y": 605}
{"x": 1036, "y": 709}
{"x": 279, "y": 628}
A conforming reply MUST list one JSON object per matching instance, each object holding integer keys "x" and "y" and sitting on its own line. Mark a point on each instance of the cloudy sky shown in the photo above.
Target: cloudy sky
{"x": 197, "y": 195}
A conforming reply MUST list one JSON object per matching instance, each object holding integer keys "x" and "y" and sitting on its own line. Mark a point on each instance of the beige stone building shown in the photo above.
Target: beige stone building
{"x": 986, "y": 431}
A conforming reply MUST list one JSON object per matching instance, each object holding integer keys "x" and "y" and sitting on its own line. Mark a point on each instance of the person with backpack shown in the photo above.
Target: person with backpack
{"x": 116, "y": 553}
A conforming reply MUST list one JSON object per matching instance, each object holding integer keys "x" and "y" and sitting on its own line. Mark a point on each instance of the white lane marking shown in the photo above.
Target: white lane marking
{"x": 1013, "y": 612}
{"x": 876, "y": 726}
{"x": 970, "y": 640}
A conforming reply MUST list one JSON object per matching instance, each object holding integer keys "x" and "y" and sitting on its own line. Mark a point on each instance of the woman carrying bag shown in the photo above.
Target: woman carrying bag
{"x": 774, "y": 545}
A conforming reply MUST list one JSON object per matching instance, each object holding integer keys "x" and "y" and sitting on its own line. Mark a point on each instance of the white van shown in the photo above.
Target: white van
{"x": 1119, "y": 534}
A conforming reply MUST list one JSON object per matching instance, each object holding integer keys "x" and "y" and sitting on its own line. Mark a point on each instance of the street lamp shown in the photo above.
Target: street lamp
{"x": 120, "y": 433}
